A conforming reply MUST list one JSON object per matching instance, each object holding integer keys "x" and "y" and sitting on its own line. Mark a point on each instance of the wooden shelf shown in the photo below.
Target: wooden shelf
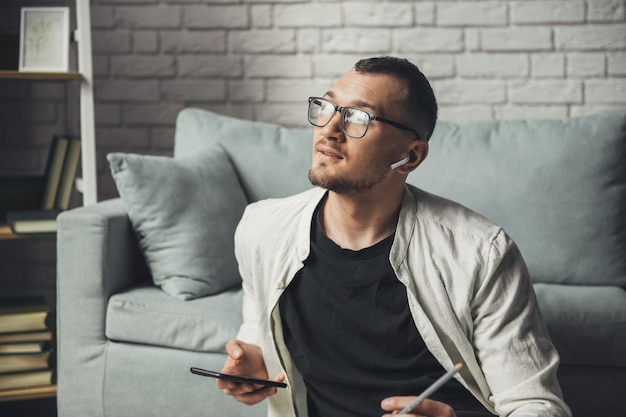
{"x": 17, "y": 75}
{"x": 30, "y": 393}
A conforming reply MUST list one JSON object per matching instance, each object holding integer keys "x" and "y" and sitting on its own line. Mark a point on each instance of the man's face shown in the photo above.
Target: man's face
{"x": 349, "y": 165}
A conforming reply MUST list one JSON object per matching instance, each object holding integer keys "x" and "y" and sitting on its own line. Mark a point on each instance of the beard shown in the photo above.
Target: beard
{"x": 343, "y": 184}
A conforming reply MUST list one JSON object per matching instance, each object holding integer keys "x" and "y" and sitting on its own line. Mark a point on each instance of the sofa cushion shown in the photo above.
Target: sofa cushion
{"x": 587, "y": 324}
{"x": 184, "y": 211}
{"x": 146, "y": 315}
{"x": 270, "y": 160}
{"x": 557, "y": 187}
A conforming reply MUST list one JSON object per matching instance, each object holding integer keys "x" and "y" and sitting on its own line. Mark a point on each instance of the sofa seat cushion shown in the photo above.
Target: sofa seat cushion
{"x": 587, "y": 324}
{"x": 146, "y": 315}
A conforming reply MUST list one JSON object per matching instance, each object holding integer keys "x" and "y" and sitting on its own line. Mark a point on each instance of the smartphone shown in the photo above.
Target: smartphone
{"x": 238, "y": 378}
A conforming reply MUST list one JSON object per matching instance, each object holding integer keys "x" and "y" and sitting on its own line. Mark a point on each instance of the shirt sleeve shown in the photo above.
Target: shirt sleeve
{"x": 510, "y": 338}
{"x": 248, "y": 332}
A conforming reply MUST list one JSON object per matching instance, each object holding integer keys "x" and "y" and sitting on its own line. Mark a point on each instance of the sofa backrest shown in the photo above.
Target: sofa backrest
{"x": 557, "y": 187}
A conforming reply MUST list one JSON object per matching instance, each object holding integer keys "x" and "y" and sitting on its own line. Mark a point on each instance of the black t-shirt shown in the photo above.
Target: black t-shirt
{"x": 350, "y": 333}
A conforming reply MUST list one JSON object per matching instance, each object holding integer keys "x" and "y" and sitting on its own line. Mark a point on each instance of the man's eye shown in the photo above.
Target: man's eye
{"x": 356, "y": 117}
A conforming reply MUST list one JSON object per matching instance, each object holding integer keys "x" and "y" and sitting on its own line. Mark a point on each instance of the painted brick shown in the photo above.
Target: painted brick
{"x": 309, "y": 40}
{"x": 108, "y": 41}
{"x": 465, "y": 113}
{"x": 145, "y": 2}
{"x": 356, "y": 40}
{"x": 31, "y": 134}
{"x": 617, "y": 64}
{"x": 107, "y": 114}
{"x": 472, "y": 39}
{"x": 471, "y": 13}
{"x": 275, "y": 1}
{"x": 100, "y": 65}
{"x": 516, "y": 112}
{"x": 12, "y": 90}
{"x": 192, "y": 91}
{"x": 593, "y": 108}
{"x": 334, "y": 66}
{"x": 547, "y": 12}
{"x": 145, "y": 42}
{"x": 193, "y": 42}
{"x": 124, "y": 90}
{"x": 586, "y": 65}
{"x": 606, "y": 11}
{"x": 151, "y": 114}
{"x": 124, "y": 136}
{"x": 605, "y": 91}
{"x": 18, "y": 160}
{"x": 516, "y": 39}
{"x": 428, "y": 40}
{"x": 425, "y": 13}
{"x": 48, "y": 91}
{"x": 434, "y": 66}
{"x": 469, "y": 91}
{"x": 308, "y": 15}
{"x": 215, "y": 17}
{"x": 246, "y": 91}
{"x": 162, "y": 138}
{"x": 297, "y": 91}
{"x": 156, "y": 16}
{"x": 261, "y": 16}
{"x": 378, "y": 14}
{"x": 142, "y": 66}
{"x": 493, "y": 65}
{"x": 547, "y": 65}
{"x": 101, "y": 17}
{"x": 545, "y": 92}
{"x": 267, "y": 66}
{"x": 206, "y": 66}
{"x": 263, "y": 41}
{"x": 27, "y": 111}
{"x": 593, "y": 37}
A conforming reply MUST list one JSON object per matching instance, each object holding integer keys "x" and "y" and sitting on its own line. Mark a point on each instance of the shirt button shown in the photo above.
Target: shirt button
{"x": 280, "y": 285}
{"x": 304, "y": 252}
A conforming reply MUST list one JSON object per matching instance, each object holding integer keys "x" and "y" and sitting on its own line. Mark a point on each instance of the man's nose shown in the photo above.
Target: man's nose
{"x": 333, "y": 130}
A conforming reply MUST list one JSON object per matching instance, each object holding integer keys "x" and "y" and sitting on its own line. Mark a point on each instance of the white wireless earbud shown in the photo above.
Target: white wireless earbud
{"x": 400, "y": 162}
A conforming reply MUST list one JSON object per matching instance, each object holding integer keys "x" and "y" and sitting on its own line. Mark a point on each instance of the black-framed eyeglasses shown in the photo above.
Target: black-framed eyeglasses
{"x": 354, "y": 122}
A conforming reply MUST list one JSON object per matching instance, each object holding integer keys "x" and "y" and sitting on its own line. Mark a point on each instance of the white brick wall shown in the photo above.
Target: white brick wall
{"x": 260, "y": 59}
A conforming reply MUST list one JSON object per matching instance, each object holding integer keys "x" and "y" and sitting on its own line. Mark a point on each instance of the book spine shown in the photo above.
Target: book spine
{"x": 53, "y": 171}
{"x": 68, "y": 175}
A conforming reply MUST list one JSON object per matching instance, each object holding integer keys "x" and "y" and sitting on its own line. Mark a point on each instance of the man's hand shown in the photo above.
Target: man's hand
{"x": 428, "y": 408}
{"x": 246, "y": 360}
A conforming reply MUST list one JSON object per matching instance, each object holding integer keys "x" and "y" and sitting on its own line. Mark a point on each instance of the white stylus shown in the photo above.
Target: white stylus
{"x": 434, "y": 387}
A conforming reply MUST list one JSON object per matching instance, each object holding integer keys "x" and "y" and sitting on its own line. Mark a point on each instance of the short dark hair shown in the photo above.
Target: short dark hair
{"x": 420, "y": 100}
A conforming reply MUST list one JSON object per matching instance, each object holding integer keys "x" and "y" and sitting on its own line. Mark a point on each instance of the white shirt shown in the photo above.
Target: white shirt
{"x": 468, "y": 288}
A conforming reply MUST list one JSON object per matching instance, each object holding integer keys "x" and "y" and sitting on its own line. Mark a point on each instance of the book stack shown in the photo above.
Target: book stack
{"x": 54, "y": 190}
{"x": 27, "y": 358}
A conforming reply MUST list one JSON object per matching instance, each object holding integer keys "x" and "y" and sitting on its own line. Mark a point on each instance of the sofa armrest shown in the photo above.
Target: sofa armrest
{"x": 97, "y": 256}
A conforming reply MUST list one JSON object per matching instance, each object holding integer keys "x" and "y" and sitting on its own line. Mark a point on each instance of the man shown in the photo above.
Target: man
{"x": 363, "y": 291}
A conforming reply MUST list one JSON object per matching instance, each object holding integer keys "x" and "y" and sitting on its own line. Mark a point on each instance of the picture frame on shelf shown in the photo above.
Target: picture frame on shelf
{"x": 44, "y": 39}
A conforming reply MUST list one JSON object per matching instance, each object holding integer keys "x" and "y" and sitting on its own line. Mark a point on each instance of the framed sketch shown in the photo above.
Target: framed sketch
{"x": 44, "y": 39}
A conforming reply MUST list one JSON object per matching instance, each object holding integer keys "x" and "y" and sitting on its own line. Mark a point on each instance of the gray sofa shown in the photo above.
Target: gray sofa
{"x": 557, "y": 187}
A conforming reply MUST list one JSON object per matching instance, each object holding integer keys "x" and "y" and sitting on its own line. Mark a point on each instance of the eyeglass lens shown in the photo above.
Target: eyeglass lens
{"x": 354, "y": 122}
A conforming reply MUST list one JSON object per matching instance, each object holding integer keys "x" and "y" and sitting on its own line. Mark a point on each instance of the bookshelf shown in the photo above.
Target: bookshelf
{"x": 83, "y": 76}
{"x": 45, "y": 391}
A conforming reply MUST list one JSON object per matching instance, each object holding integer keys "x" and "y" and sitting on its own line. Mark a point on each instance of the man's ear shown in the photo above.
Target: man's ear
{"x": 417, "y": 154}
